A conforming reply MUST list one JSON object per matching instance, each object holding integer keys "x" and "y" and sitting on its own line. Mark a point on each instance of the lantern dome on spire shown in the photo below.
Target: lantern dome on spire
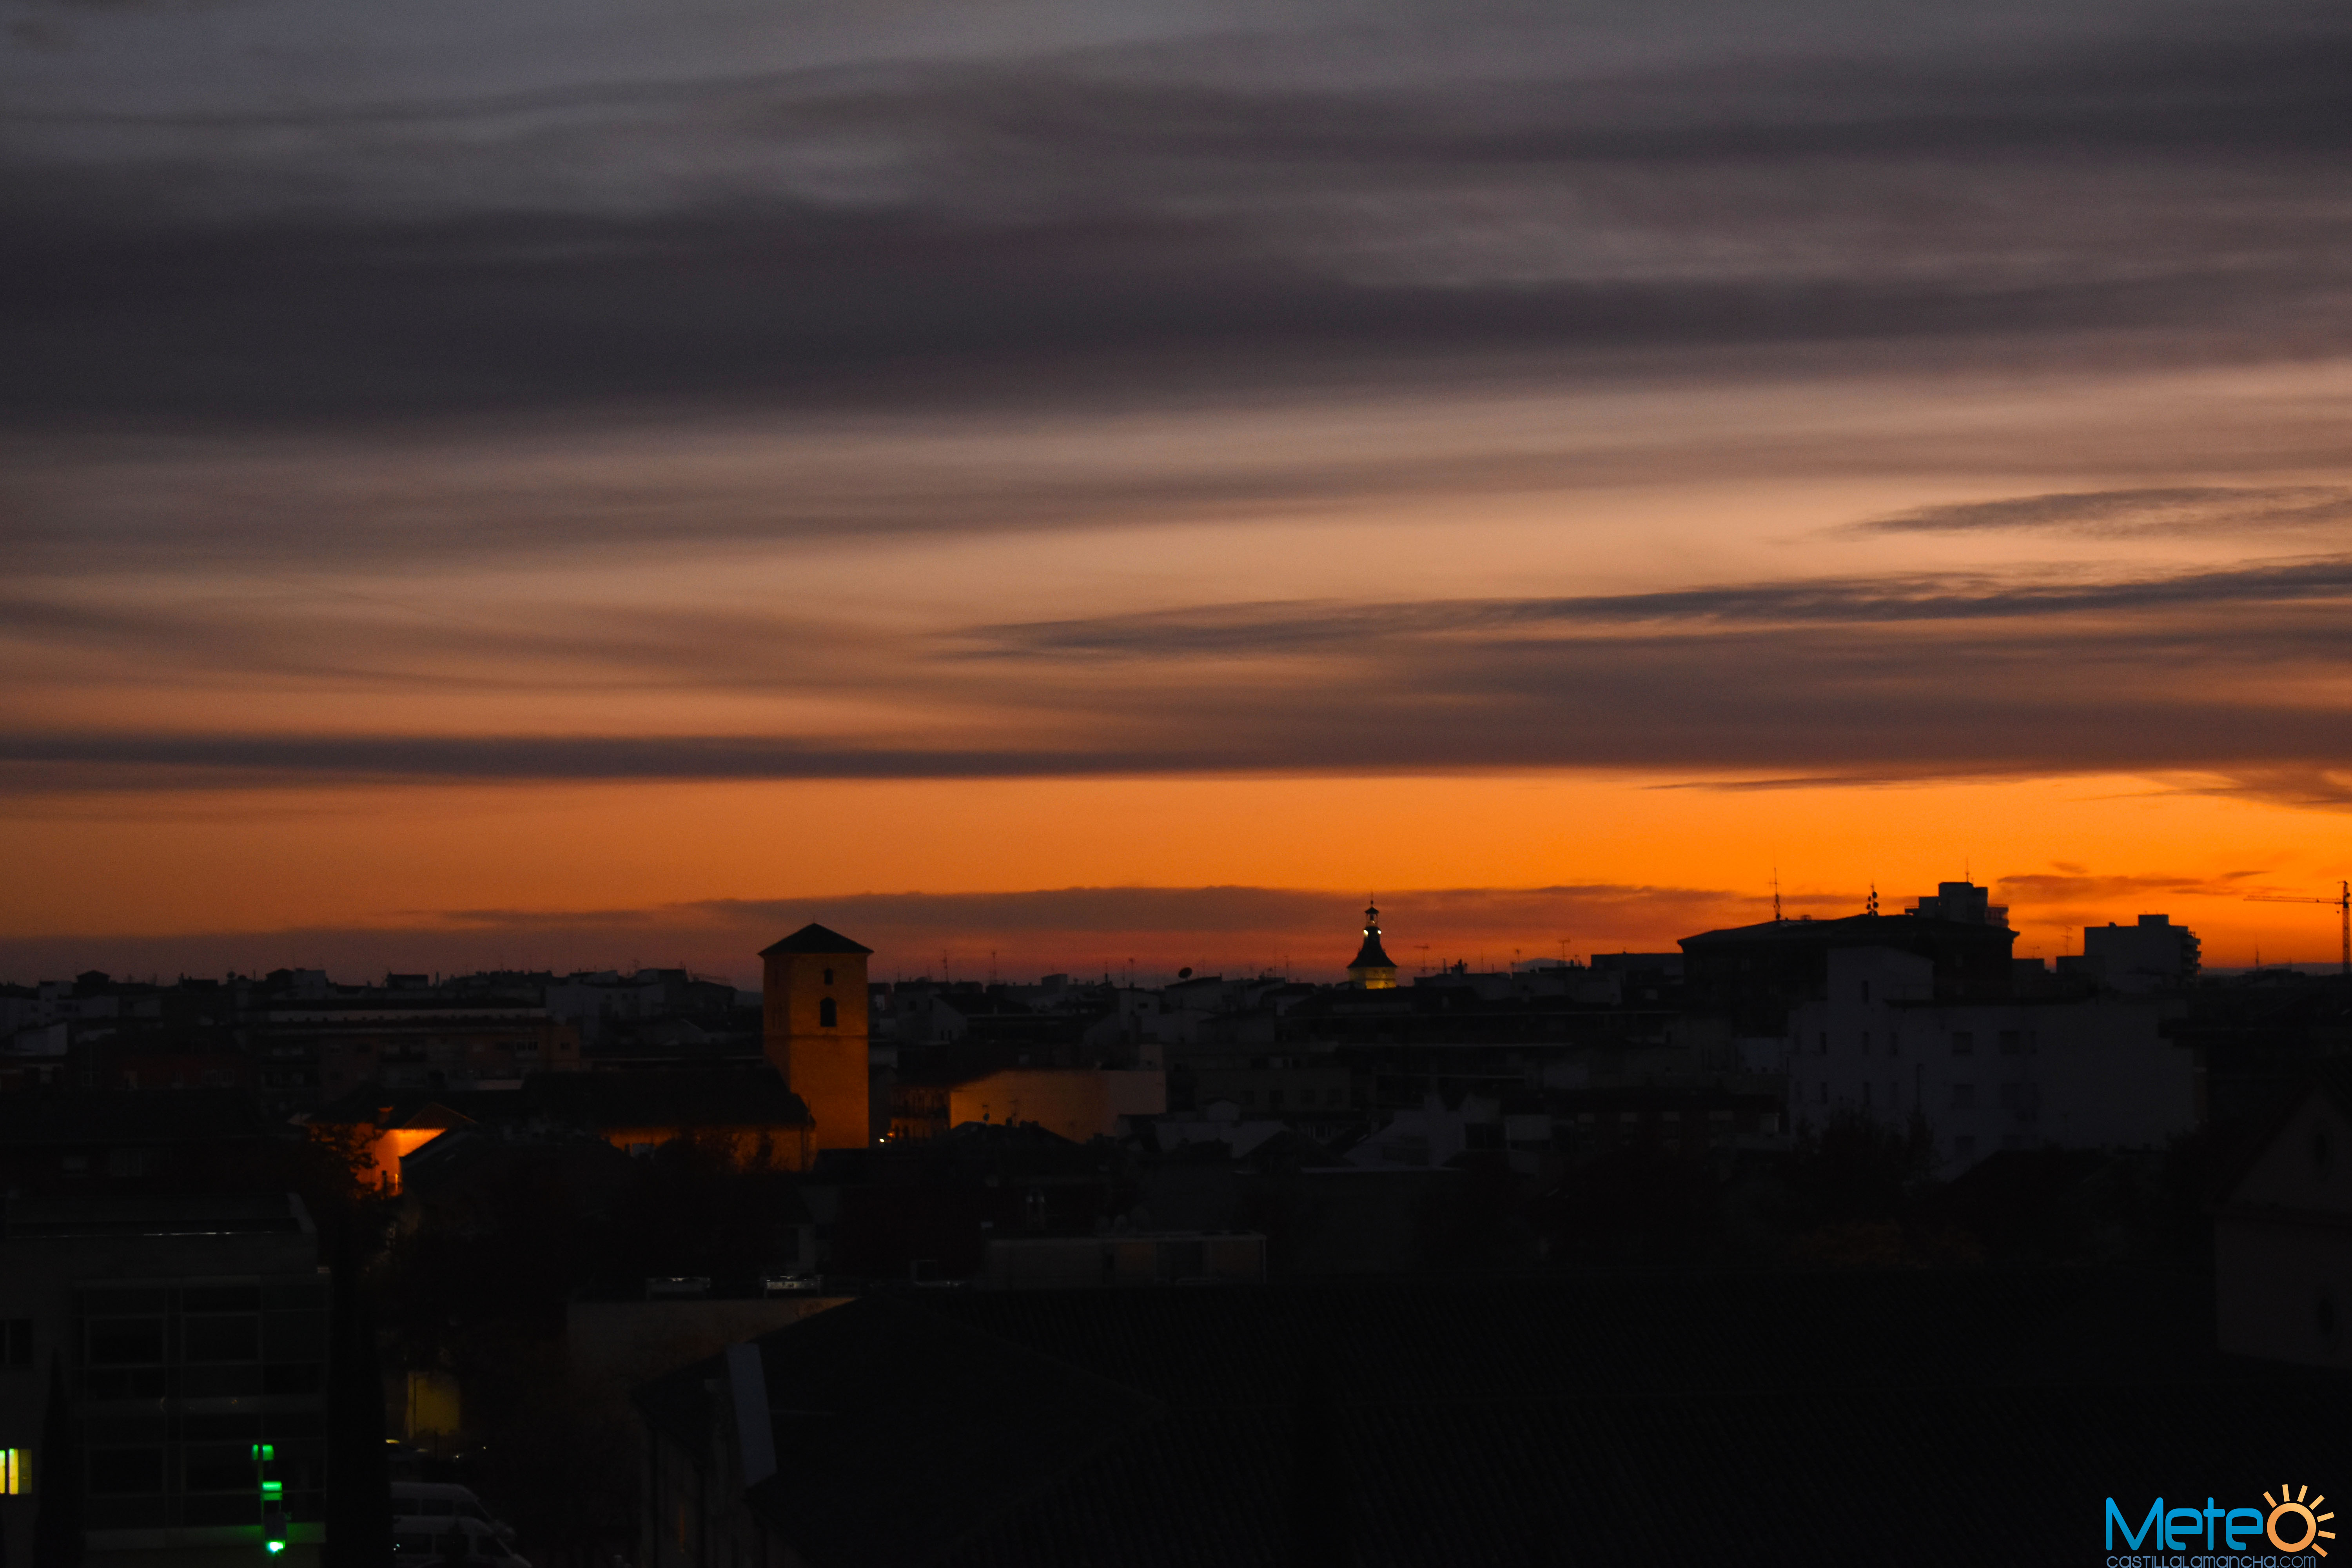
{"x": 1373, "y": 969}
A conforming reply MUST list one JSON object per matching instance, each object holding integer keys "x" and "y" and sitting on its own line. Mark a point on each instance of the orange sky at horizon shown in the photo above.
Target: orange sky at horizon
{"x": 2093, "y": 849}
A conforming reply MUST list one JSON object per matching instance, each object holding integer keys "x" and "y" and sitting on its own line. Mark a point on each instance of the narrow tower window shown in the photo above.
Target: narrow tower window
{"x": 828, "y": 1016}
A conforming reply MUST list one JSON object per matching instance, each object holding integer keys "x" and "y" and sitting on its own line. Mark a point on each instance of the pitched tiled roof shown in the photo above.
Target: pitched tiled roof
{"x": 815, "y": 938}
{"x": 749, "y": 1096}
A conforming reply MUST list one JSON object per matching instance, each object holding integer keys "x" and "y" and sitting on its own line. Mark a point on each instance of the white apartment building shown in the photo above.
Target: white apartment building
{"x": 2087, "y": 1074}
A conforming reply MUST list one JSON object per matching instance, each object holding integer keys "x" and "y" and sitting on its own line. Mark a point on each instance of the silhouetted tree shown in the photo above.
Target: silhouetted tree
{"x": 1859, "y": 1169}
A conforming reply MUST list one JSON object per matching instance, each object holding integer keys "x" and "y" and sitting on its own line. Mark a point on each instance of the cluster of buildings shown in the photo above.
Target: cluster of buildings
{"x": 1745, "y": 1039}
{"x": 1025, "y": 1145}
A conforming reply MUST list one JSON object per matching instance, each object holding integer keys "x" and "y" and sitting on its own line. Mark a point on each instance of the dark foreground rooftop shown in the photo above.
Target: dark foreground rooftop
{"x": 1963, "y": 1417}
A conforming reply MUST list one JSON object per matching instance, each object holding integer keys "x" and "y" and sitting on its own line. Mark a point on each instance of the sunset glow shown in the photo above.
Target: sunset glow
{"x": 854, "y": 473}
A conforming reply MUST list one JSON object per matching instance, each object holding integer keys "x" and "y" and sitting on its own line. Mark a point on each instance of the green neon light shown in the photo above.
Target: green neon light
{"x": 273, "y": 1489}
{"x": 276, "y": 1547}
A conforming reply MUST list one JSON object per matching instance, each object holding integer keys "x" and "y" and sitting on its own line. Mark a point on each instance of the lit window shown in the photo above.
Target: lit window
{"x": 12, "y": 1472}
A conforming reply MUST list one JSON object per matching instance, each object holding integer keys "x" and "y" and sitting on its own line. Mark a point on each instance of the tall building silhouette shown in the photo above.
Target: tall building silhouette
{"x": 812, "y": 1027}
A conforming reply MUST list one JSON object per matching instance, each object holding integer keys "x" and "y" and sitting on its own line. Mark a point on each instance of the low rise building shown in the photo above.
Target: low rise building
{"x": 191, "y": 1337}
{"x": 746, "y": 1110}
{"x": 2152, "y": 954}
{"x": 2079, "y": 1073}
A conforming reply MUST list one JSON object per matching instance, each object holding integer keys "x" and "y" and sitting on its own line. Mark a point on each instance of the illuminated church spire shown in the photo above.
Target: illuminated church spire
{"x": 1373, "y": 969}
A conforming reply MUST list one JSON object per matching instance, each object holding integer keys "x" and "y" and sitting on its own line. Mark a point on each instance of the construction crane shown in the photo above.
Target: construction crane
{"x": 2342, "y": 901}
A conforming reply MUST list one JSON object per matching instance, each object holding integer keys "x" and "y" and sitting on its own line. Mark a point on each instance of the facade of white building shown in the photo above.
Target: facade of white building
{"x": 1987, "y": 1076}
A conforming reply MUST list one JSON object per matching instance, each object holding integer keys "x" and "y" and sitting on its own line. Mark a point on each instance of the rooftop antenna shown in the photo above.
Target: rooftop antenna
{"x": 1873, "y": 898}
{"x": 1776, "y": 895}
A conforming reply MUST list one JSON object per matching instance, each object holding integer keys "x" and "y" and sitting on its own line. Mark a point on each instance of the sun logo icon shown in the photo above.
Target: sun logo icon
{"x": 2291, "y": 1507}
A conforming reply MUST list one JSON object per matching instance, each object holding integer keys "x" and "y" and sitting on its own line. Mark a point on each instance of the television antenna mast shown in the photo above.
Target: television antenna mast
{"x": 2342, "y": 901}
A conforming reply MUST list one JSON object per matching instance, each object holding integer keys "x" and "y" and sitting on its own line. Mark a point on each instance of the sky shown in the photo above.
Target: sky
{"x": 1104, "y": 488}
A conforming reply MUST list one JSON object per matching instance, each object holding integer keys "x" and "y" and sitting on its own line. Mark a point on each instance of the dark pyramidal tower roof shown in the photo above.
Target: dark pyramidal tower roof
{"x": 1370, "y": 955}
{"x": 815, "y": 938}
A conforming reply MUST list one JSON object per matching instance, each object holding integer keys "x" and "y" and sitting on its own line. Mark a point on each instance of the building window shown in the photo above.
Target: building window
{"x": 828, "y": 977}
{"x": 1821, "y": 1046}
{"x": 122, "y": 1341}
{"x": 2010, "y": 1044}
{"x": 1963, "y": 1043}
{"x": 1865, "y": 990}
{"x": 117, "y": 1472}
{"x": 12, "y": 1472}
{"x": 828, "y": 1015}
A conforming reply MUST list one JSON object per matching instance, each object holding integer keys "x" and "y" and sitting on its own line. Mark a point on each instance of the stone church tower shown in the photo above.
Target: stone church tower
{"x": 812, "y": 1027}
